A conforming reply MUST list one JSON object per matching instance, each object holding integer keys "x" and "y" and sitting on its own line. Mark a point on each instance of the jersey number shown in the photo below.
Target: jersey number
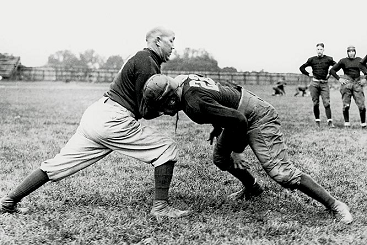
{"x": 204, "y": 82}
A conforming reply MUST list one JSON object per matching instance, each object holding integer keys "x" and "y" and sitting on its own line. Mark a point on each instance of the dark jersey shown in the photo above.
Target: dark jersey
{"x": 320, "y": 66}
{"x": 207, "y": 102}
{"x": 127, "y": 87}
{"x": 351, "y": 68}
{"x": 364, "y": 61}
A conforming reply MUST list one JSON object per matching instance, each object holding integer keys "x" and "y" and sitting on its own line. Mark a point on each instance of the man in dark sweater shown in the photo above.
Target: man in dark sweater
{"x": 351, "y": 84}
{"x": 111, "y": 124}
{"x": 319, "y": 86}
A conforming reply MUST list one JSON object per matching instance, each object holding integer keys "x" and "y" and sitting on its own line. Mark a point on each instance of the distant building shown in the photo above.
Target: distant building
{"x": 8, "y": 65}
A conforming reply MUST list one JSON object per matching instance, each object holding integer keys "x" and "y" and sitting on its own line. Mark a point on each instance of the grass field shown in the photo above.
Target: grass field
{"x": 109, "y": 202}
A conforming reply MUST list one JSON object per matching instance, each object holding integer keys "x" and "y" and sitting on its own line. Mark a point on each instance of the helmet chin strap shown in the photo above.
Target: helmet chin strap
{"x": 176, "y": 124}
{"x": 177, "y": 117}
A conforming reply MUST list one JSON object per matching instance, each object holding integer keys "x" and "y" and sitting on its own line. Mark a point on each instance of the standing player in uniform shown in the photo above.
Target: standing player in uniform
{"x": 351, "y": 84}
{"x": 240, "y": 118}
{"x": 111, "y": 124}
{"x": 319, "y": 86}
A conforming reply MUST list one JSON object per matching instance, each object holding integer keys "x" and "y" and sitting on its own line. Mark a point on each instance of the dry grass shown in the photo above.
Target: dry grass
{"x": 109, "y": 202}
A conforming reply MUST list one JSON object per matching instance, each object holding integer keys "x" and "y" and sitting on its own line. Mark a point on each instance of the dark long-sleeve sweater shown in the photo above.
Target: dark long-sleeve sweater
{"x": 364, "y": 61}
{"x": 320, "y": 66}
{"x": 352, "y": 67}
{"x": 206, "y": 102}
{"x": 127, "y": 87}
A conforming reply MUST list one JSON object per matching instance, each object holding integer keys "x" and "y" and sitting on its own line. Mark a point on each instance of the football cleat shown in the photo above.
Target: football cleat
{"x": 330, "y": 124}
{"x": 247, "y": 193}
{"x": 318, "y": 122}
{"x": 161, "y": 209}
{"x": 7, "y": 205}
{"x": 341, "y": 210}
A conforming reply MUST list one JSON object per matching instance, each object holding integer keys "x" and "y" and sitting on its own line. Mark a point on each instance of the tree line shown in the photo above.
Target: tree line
{"x": 188, "y": 60}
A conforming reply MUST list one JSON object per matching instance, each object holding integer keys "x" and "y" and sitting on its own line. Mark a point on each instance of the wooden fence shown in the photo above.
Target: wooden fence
{"x": 107, "y": 75}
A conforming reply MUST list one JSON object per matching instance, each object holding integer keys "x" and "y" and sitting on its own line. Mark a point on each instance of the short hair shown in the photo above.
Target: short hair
{"x": 157, "y": 32}
{"x": 320, "y": 44}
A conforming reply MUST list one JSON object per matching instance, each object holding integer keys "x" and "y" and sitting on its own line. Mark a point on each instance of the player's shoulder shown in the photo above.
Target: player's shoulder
{"x": 312, "y": 59}
{"x": 328, "y": 57}
{"x": 142, "y": 53}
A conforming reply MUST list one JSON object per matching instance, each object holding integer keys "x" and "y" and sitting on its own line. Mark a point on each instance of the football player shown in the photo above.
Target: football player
{"x": 239, "y": 119}
{"x": 351, "y": 84}
{"x": 319, "y": 86}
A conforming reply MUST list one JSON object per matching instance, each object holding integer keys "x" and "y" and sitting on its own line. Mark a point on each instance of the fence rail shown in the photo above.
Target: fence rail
{"x": 107, "y": 75}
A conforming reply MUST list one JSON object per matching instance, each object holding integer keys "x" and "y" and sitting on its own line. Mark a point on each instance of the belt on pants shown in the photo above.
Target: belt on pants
{"x": 319, "y": 80}
{"x": 109, "y": 101}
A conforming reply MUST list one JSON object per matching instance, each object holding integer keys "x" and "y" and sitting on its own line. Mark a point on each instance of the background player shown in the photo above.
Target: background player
{"x": 111, "y": 124}
{"x": 301, "y": 89}
{"x": 240, "y": 118}
{"x": 351, "y": 84}
{"x": 279, "y": 89}
{"x": 319, "y": 86}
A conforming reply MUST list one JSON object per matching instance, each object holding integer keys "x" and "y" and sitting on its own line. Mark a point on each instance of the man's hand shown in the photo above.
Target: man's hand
{"x": 362, "y": 81}
{"x": 214, "y": 134}
{"x": 343, "y": 81}
{"x": 239, "y": 161}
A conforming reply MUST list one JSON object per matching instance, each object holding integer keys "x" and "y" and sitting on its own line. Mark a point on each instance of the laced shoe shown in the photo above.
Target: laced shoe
{"x": 330, "y": 124}
{"x": 364, "y": 125}
{"x": 341, "y": 210}
{"x": 161, "y": 209}
{"x": 7, "y": 205}
{"x": 317, "y": 123}
{"x": 247, "y": 193}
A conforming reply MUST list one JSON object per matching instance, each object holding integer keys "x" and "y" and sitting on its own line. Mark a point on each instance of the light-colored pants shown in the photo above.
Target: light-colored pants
{"x": 107, "y": 127}
{"x": 265, "y": 139}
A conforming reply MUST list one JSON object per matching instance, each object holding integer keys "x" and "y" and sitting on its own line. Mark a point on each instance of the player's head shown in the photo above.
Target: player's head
{"x": 161, "y": 41}
{"x": 161, "y": 93}
{"x": 320, "y": 49}
{"x": 351, "y": 51}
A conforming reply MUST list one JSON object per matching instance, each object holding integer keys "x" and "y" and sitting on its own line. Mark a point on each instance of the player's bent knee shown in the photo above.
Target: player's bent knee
{"x": 169, "y": 155}
{"x": 290, "y": 178}
{"x": 222, "y": 162}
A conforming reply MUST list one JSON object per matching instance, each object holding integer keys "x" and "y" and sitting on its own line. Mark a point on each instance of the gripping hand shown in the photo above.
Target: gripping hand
{"x": 214, "y": 134}
{"x": 343, "y": 81}
{"x": 239, "y": 161}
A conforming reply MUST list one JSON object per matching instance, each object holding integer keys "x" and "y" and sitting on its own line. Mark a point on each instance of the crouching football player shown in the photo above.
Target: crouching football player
{"x": 240, "y": 118}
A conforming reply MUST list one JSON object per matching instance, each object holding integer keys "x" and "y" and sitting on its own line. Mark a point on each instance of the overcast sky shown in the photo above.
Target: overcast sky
{"x": 274, "y": 35}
